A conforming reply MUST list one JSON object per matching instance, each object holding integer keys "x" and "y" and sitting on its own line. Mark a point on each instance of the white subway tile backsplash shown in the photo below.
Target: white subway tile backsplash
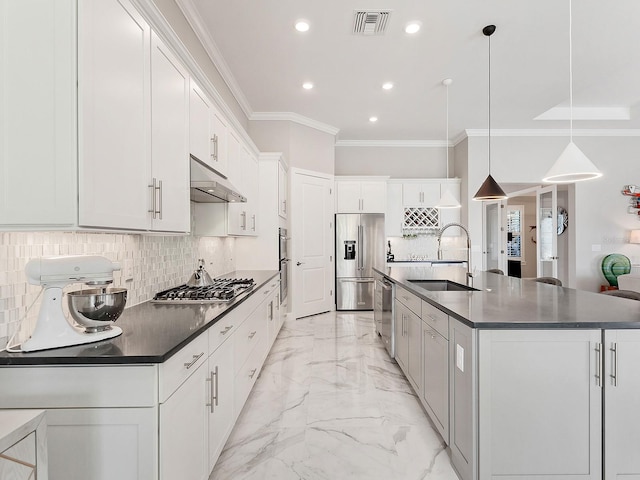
{"x": 153, "y": 262}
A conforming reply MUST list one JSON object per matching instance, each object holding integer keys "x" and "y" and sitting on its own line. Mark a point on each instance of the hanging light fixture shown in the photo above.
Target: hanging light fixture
{"x": 447, "y": 200}
{"x": 572, "y": 165}
{"x": 489, "y": 190}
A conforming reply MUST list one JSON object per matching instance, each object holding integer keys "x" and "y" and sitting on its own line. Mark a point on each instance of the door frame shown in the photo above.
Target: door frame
{"x": 501, "y": 234}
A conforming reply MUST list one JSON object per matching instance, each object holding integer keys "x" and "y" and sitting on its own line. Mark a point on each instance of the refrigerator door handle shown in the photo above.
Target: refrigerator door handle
{"x": 360, "y": 262}
{"x": 356, "y": 280}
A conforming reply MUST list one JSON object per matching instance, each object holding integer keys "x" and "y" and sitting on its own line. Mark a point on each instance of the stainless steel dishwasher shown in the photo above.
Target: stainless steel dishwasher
{"x": 383, "y": 313}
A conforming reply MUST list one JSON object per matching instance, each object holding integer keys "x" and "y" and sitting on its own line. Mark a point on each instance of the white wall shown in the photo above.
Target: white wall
{"x": 395, "y": 162}
{"x": 599, "y": 218}
{"x": 303, "y": 147}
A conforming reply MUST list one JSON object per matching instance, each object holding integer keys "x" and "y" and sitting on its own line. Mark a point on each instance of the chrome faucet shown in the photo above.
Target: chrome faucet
{"x": 441, "y": 231}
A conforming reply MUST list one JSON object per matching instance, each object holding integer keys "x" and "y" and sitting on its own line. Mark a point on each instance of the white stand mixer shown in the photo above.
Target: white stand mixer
{"x": 53, "y": 329}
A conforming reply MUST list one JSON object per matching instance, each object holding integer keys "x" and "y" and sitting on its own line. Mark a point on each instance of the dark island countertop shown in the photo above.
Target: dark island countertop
{"x": 508, "y": 302}
{"x": 152, "y": 332}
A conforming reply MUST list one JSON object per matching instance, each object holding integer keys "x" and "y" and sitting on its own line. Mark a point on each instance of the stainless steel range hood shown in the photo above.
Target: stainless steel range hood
{"x": 210, "y": 186}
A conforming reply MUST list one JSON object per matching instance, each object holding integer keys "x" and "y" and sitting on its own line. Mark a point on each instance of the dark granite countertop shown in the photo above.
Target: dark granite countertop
{"x": 508, "y": 302}
{"x": 152, "y": 332}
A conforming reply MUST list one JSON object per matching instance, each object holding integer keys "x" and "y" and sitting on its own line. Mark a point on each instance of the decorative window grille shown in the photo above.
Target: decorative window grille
{"x": 514, "y": 232}
{"x": 420, "y": 220}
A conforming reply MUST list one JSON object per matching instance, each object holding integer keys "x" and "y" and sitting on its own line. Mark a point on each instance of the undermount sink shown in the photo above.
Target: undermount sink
{"x": 442, "y": 286}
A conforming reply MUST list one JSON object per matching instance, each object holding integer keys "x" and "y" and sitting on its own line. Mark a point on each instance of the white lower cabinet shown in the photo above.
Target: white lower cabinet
{"x": 184, "y": 429}
{"x": 400, "y": 334}
{"x": 103, "y": 443}
{"x": 220, "y": 399}
{"x": 621, "y": 351}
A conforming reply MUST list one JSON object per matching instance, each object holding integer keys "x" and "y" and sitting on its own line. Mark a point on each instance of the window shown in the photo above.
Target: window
{"x": 515, "y": 246}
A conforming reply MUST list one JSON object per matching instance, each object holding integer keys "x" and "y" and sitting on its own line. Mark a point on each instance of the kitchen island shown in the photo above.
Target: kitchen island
{"x": 522, "y": 379}
{"x": 157, "y": 402}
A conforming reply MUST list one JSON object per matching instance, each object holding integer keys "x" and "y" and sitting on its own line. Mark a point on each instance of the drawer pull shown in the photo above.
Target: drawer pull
{"x": 226, "y": 330}
{"x": 252, "y": 334}
{"x": 193, "y": 362}
{"x": 253, "y": 372}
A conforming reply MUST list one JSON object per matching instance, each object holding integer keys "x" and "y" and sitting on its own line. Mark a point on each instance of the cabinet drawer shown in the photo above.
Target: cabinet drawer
{"x": 408, "y": 299}
{"x": 223, "y": 330}
{"x": 251, "y": 333}
{"x": 246, "y": 376}
{"x": 436, "y": 319}
{"x": 178, "y": 368}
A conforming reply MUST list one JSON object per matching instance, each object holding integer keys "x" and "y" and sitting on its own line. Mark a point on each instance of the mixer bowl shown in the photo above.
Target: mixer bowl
{"x": 94, "y": 309}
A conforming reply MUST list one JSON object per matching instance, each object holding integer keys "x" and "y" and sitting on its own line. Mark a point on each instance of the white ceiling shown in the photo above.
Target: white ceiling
{"x": 267, "y": 61}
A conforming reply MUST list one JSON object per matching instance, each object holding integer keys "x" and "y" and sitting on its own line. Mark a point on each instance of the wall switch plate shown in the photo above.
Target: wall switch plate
{"x": 459, "y": 358}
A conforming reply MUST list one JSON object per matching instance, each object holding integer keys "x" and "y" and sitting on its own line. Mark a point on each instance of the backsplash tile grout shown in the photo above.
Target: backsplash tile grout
{"x": 156, "y": 262}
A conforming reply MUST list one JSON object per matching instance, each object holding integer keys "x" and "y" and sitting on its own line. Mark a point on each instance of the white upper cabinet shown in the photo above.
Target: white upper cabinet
{"x": 234, "y": 162}
{"x": 169, "y": 140}
{"x": 114, "y": 123}
{"x": 243, "y": 217}
{"x": 38, "y": 104}
{"x": 394, "y": 214}
{"x": 421, "y": 194}
{"x": 133, "y": 98}
{"x": 219, "y": 142}
{"x": 361, "y": 196}
{"x": 199, "y": 124}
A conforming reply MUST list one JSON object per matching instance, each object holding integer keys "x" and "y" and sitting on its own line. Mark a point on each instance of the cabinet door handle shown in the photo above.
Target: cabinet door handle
{"x": 252, "y": 334}
{"x": 226, "y": 330}
{"x": 214, "y": 155}
{"x": 160, "y": 199}
{"x": 284, "y": 206}
{"x": 253, "y": 217}
{"x": 614, "y": 373}
{"x": 271, "y": 310}
{"x": 190, "y": 364}
{"x": 213, "y": 389}
{"x": 253, "y": 372}
{"x": 154, "y": 188}
{"x": 243, "y": 215}
{"x": 599, "y": 364}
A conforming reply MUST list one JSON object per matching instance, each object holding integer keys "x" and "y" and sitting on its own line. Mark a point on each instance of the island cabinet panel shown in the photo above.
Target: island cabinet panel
{"x": 435, "y": 390}
{"x": 463, "y": 400}
{"x": 621, "y": 400}
{"x": 401, "y": 336}
{"x": 540, "y": 404}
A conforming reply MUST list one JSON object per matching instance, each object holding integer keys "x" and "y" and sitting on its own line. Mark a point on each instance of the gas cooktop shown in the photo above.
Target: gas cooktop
{"x": 221, "y": 290}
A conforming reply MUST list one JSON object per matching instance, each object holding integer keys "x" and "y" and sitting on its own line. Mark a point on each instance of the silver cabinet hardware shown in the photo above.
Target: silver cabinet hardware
{"x": 226, "y": 330}
{"x": 252, "y": 334}
{"x": 271, "y": 310}
{"x": 284, "y": 206}
{"x": 213, "y": 389}
{"x": 614, "y": 368}
{"x": 156, "y": 206}
{"x": 214, "y": 140}
{"x": 253, "y": 372}
{"x": 599, "y": 364}
{"x": 243, "y": 215}
{"x": 253, "y": 217}
{"x": 188, "y": 365}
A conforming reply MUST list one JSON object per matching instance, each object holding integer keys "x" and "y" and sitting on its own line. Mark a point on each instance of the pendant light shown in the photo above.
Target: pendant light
{"x": 447, "y": 200}
{"x": 489, "y": 190}
{"x": 572, "y": 165}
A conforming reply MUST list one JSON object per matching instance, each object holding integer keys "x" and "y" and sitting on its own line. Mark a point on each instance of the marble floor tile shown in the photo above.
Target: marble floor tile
{"x": 330, "y": 404}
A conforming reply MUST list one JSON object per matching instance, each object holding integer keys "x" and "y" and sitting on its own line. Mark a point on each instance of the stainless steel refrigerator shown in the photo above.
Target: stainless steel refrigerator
{"x": 360, "y": 245}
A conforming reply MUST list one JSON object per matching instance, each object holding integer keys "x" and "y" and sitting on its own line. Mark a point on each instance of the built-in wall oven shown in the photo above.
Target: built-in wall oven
{"x": 283, "y": 262}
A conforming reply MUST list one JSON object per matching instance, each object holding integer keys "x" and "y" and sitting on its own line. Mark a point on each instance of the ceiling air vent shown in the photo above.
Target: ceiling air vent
{"x": 372, "y": 22}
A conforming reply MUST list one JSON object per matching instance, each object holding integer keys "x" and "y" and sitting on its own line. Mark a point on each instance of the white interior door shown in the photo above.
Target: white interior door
{"x": 494, "y": 241}
{"x": 312, "y": 242}
{"x": 547, "y": 231}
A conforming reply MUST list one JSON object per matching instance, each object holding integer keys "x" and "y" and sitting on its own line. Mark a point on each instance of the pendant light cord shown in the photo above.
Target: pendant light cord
{"x": 447, "y": 145}
{"x": 489, "y": 109}
{"x": 570, "y": 75}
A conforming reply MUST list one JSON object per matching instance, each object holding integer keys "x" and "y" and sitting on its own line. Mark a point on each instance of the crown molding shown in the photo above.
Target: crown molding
{"x": 395, "y": 143}
{"x": 296, "y": 118}
{"x": 190, "y": 12}
{"x": 540, "y": 132}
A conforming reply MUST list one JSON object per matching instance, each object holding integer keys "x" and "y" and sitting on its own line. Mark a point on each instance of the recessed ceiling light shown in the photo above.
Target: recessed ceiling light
{"x": 302, "y": 25}
{"x": 307, "y": 85}
{"x": 387, "y": 86}
{"x": 412, "y": 27}
{"x": 373, "y": 119}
